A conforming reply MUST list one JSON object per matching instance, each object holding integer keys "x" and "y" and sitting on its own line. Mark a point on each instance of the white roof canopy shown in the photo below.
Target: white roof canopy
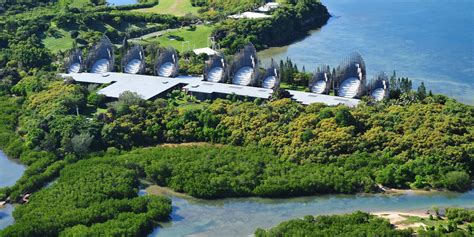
{"x": 207, "y": 51}
{"x": 250, "y": 15}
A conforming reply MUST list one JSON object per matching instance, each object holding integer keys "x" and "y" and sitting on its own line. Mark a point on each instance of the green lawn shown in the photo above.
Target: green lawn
{"x": 74, "y": 3}
{"x": 177, "y": 39}
{"x": 60, "y": 41}
{"x": 173, "y": 7}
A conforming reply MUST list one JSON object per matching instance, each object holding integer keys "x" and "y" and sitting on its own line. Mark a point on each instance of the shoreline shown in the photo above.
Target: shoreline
{"x": 400, "y": 218}
{"x": 154, "y": 189}
{"x": 396, "y": 191}
{"x": 157, "y": 190}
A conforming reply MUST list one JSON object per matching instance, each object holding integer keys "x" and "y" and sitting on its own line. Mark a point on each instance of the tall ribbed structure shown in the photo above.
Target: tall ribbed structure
{"x": 350, "y": 77}
{"x": 321, "y": 81}
{"x": 244, "y": 69}
{"x": 215, "y": 69}
{"x": 101, "y": 57}
{"x": 74, "y": 63}
{"x": 379, "y": 87}
{"x": 133, "y": 61}
{"x": 272, "y": 77}
{"x": 167, "y": 63}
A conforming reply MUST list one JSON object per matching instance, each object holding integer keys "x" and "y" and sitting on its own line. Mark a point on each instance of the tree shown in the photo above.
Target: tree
{"x": 81, "y": 143}
{"x": 31, "y": 56}
{"x": 280, "y": 93}
{"x": 421, "y": 92}
{"x": 125, "y": 101}
{"x": 457, "y": 180}
{"x": 344, "y": 117}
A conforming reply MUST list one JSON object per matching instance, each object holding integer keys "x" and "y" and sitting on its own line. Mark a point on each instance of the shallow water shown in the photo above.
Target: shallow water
{"x": 242, "y": 216}
{"x": 10, "y": 172}
{"x": 425, "y": 40}
{"x": 6, "y": 218}
{"x": 121, "y": 2}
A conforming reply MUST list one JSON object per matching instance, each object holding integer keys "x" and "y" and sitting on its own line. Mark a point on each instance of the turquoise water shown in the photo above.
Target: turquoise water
{"x": 425, "y": 40}
{"x": 241, "y": 216}
{"x": 10, "y": 172}
{"x": 121, "y": 2}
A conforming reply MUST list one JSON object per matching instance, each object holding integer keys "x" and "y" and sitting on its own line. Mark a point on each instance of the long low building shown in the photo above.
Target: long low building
{"x": 209, "y": 90}
{"x": 146, "y": 87}
{"x": 149, "y": 87}
{"x": 307, "y": 98}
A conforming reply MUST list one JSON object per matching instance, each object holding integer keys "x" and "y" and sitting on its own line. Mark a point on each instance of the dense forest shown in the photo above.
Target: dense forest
{"x": 364, "y": 224}
{"x": 86, "y": 154}
{"x": 403, "y": 143}
{"x": 90, "y": 198}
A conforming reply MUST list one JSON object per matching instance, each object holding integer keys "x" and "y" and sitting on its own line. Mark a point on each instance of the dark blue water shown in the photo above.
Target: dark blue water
{"x": 121, "y": 2}
{"x": 425, "y": 40}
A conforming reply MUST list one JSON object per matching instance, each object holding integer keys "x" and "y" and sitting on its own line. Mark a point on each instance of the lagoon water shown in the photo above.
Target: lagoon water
{"x": 242, "y": 216}
{"x": 10, "y": 172}
{"x": 428, "y": 41}
{"x": 425, "y": 40}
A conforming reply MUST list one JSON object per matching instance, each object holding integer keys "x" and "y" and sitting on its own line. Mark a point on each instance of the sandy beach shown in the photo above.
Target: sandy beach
{"x": 396, "y": 218}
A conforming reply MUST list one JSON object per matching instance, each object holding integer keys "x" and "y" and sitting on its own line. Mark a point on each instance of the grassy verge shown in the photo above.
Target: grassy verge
{"x": 197, "y": 38}
{"x": 61, "y": 41}
{"x": 418, "y": 222}
{"x": 173, "y": 7}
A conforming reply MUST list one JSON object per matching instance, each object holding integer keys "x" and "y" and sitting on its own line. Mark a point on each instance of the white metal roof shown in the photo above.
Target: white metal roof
{"x": 150, "y": 86}
{"x": 251, "y": 15}
{"x": 222, "y": 88}
{"x": 145, "y": 86}
{"x": 207, "y": 51}
{"x": 268, "y": 7}
{"x": 307, "y": 98}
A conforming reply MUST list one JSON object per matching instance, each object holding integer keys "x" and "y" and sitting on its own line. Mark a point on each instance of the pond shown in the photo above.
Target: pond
{"x": 242, "y": 216}
{"x": 425, "y": 40}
